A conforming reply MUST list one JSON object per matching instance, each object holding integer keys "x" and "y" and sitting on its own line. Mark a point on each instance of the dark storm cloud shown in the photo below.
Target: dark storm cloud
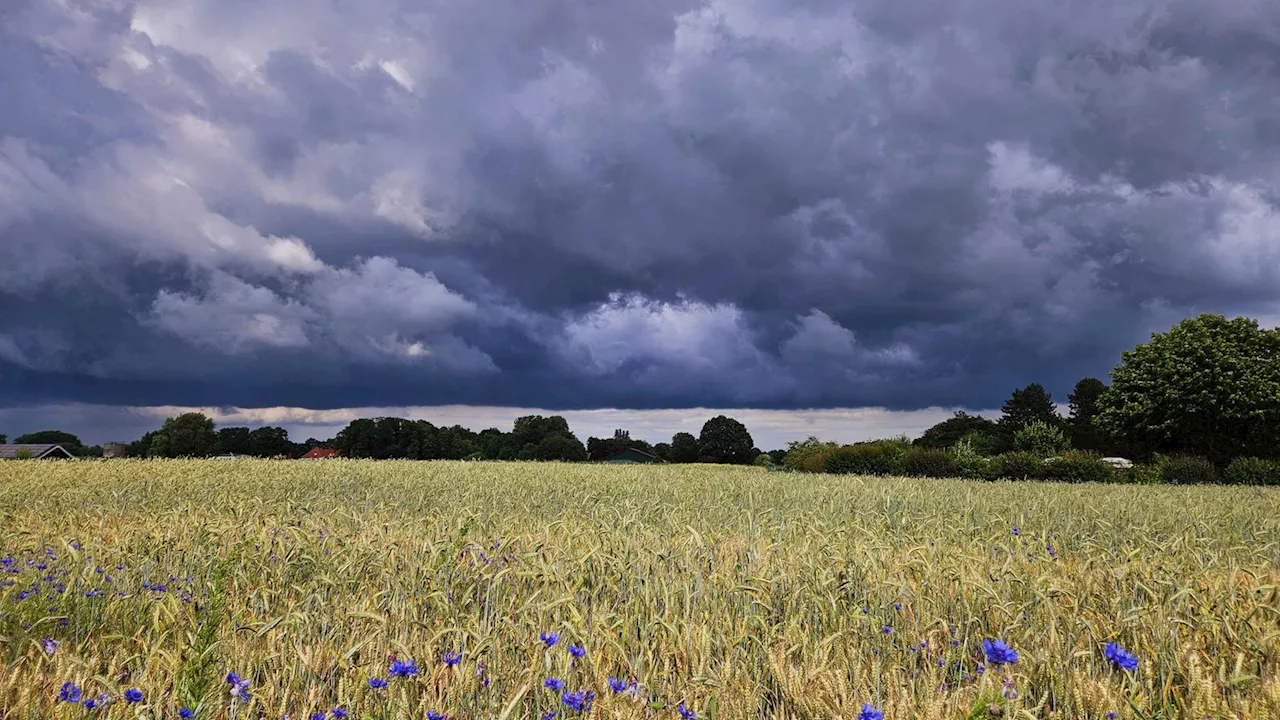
{"x": 671, "y": 204}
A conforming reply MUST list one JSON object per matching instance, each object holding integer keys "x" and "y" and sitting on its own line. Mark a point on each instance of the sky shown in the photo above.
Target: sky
{"x": 846, "y": 217}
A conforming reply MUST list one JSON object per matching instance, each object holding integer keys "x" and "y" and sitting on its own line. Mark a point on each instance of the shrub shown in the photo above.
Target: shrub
{"x": 1040, "y": 439}
{"x": 1140, "y": 475}
{"x": 1252, "y": 471}
{"x": 1021, "y": 466}
{"x": 1079, "y": 467}
{"x": 873, "y": 458}
{"x": 808, "y": 455}
{"x": 928, "y": 462}
{"x": 1188, "y": 470}
{"x": 969, "y": 462}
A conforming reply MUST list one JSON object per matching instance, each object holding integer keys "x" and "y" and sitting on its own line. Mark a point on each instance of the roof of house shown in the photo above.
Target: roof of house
{"x": 629, "y": 455}
{"x": 38, "y": 450}
{"x": 318, "y": 452}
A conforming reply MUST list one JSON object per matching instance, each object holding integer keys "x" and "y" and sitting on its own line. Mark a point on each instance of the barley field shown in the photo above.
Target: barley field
{"x": 362, "y": 589}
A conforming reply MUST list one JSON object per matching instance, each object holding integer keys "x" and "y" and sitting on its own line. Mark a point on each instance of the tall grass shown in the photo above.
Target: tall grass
{"x": 741, "y": 594}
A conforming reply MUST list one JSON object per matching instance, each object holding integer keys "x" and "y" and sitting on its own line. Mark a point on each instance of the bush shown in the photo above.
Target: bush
{"x": 1188, "y": 470}
{"x": 1140, "y": 475}
{"x": 808, "y": 455}
{"x": 1021, "y": 466}
{"x": 873, "y": 458}
{"x": 1040, "y": 439}
{"x": 927, "y": 462}
{"x": 1252, "y": 471}
{"x": 970, "y": 463}
{"x": 1079, "y": 467}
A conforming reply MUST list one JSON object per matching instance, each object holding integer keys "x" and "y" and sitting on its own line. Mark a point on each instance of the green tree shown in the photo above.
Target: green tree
{"x": 53, "y": 437}
{"x": 234, "y": 440}
{"x": 798, "y": 451}
{"x": 1025, "y": 406}
{"x": 684, "y": 448}
{"x": 725, "y": 440}
{"x": 269, "y": 442}
{"x": 1082, "y": 433}
{"x": 947, "y": 433}
{"x": 4, "y": 439}
{"x": 1209, "y": 387}
{"x": 188, "y": 435}
{"x": 1040, "y": 439}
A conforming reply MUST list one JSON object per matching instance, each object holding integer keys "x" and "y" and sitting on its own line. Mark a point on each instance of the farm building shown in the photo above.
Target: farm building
{"x": 317, "y": 453}
{"x": 36, "y": 452}
{"x": 632, "y": 455}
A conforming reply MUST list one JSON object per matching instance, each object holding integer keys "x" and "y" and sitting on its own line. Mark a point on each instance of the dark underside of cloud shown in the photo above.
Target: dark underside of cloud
{"x": 903, "y": 203}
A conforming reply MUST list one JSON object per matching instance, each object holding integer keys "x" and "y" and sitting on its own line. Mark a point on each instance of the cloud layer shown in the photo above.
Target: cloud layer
{"x": 747, "y": 203}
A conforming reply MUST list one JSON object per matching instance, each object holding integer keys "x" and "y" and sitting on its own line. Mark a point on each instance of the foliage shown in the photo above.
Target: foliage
{"x": 1078, "y": 467}
{"x": 189, "y": 435}
{"x": 1025, "y": 406}
{"x": 969, "y": 463}
{"x": 684, "y": 448}
{"x": 601, "y": 448}
{"x": 25, "y": 454}
{"x": 764, "y": 460}
{"x": 1252, "y": 471}
{"x": 1083, "y": 400}
{"x": 928, "y": 462}
{"x": 709, "y": 585}
{"x": 1041, "y": 439}
{"x": 1188, "y": 470}
{"x": 1209, "y": 386}
{"x": 725, "y": 440}
{"x": 986, "y": 443}
{"x": 807, "y": 454}
{"x": 881, "y": 457}
{"x": 51, "y": 437}
{"x": 947, "y": 433}
{"x": 1021, "y": 466}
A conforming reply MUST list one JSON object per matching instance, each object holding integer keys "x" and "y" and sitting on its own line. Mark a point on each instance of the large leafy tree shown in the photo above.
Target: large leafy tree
{"x": 270, "y": 442}
{"x": 950, "y": 431}
{"x": 234, "y": 440}
{"x": 725, "y": 440}
{"x": 1209, "y": 386}
{"x": 1081, "y": 431}
{"x": 684, "y": 448}
{"x": 187, "y": 435}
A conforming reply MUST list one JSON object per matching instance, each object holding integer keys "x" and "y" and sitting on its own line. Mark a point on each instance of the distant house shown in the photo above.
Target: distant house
{"x": 115, "y": 450}
{"x": 318, "y": 453}
{"x": 36, "y": 452}
{"x": 232, "y": 456}
{"x": 632, "y": 455}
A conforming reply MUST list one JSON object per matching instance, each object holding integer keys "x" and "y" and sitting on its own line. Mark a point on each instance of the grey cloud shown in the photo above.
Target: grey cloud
{"x": 747, "y": 202}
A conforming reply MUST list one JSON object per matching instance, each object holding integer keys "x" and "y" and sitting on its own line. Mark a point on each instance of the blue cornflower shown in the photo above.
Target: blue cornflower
{"x": 338, "y": 713}
{"x": 91, "y": 704}
{"x": 1110, "y": 716}
{"x": 133, "y": 695}
{"x": 376, "y": 683}
{"x": 50, "y": 645}
{"x": 579, "y": 701}
{"x": 869, "y": 712}
{"x": 886, "y": 629}
{"x": 998, "y": 653}
{"x": 549, "y": 715}
{"x": 555, "y": 684}
{"x": 239, "y": 688}
{"x": 69, "y": 693}
{"x": 576, "y": 651}
{"x": 1124, "y": 659}
{"x": 433, "y": 715}
{"x": 451, "y": 658}
{"x": 686, "y": 713}
{"x": 317, "y": 716}
{"x": 617, "y": 685}
{"x": 186, "y": 713}
{"x": 403, "y": 668}
{"x": 233, "y": 679}
{"x": 897, "y": 606}
{"x": 549, "y": 638}
{"x": 1017, "y": 532}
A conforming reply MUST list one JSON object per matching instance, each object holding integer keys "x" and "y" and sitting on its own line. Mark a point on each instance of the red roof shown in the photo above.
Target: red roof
{"x": 315, "y": 453}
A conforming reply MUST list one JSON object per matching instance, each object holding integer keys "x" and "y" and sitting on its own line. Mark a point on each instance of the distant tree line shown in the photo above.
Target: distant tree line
{"x": 1201, "y": 398}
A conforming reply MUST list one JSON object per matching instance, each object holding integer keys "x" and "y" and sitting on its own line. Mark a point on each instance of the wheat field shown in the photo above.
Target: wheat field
{"x": 135, "y": 588}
